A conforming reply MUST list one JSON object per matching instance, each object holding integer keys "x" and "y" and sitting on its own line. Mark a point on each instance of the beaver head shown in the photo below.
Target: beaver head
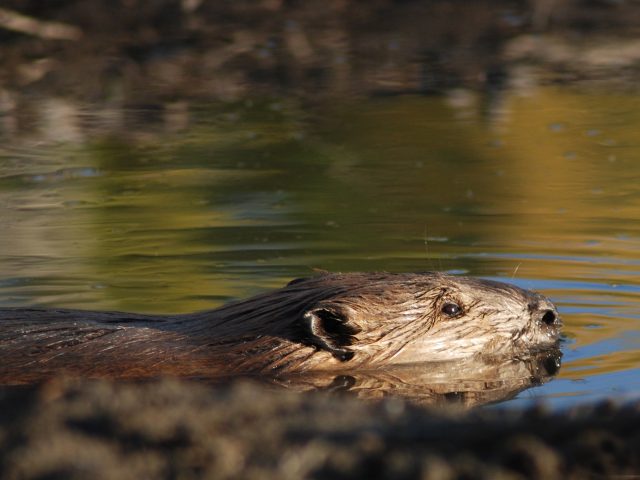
{"x": 367, "y": 320}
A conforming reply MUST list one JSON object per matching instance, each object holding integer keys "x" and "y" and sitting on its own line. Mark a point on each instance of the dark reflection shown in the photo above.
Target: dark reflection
{"x": 466, "y": 383}
{"x": 470, "y": 382}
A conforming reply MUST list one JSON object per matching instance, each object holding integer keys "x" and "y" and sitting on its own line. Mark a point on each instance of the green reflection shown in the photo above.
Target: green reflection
{"x": 254, "y": 193}
{"x": 540, "y": 185}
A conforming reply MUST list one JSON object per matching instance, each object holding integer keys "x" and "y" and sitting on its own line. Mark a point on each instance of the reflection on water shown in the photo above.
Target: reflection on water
{"x": 468, "y": 383}
{"x": 535, "y": 185}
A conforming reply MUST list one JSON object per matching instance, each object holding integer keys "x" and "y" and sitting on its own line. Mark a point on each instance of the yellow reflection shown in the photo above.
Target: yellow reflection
{"x": 601, "y": 364}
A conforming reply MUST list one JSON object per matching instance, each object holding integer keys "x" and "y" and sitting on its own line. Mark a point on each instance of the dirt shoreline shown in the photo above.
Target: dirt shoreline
{"x": 171, "y": 429}
{"x": 146, "y": 52}
{"x": 122, "y": 67}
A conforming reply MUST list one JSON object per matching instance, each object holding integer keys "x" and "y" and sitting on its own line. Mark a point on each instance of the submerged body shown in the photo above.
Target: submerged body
{"x": 329, "y": 322}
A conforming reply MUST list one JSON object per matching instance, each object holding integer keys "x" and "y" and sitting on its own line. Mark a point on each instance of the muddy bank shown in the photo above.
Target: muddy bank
{"x": 180, "y": 430}
{"x": 114, "y": 66}
{"x": 140, "y": 52}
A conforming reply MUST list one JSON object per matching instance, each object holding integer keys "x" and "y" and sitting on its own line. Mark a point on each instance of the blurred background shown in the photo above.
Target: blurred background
{"x": 168, "y": 156}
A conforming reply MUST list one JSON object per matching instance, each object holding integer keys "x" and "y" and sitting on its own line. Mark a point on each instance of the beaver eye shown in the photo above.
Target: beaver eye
{"x": 451, "y": 309}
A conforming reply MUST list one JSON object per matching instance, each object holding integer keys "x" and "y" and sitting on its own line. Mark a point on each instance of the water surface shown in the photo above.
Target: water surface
{"x": 185, "y": 209}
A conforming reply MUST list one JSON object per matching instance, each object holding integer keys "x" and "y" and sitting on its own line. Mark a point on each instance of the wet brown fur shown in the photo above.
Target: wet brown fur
{"x": 328, "y": 322}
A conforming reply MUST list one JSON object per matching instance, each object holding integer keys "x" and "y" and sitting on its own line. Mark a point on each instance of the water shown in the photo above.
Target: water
{"x": 175, "y": 212}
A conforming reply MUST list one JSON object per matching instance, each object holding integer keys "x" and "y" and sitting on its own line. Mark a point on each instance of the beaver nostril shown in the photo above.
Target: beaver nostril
{"x": 549, "y": 317}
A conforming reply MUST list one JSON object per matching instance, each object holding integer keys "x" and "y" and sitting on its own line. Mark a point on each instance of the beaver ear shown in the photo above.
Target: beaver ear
{"x": 331, "y": 330}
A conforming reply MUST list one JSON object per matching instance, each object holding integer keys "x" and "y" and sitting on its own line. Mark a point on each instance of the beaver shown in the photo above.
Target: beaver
{"x": 329, "y": 322}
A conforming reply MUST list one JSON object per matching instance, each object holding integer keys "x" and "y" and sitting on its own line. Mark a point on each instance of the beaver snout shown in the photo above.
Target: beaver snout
{"x": 546, "y": 318}
{"x": 545, "y": 314}
{"x": 550, "y": 318}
